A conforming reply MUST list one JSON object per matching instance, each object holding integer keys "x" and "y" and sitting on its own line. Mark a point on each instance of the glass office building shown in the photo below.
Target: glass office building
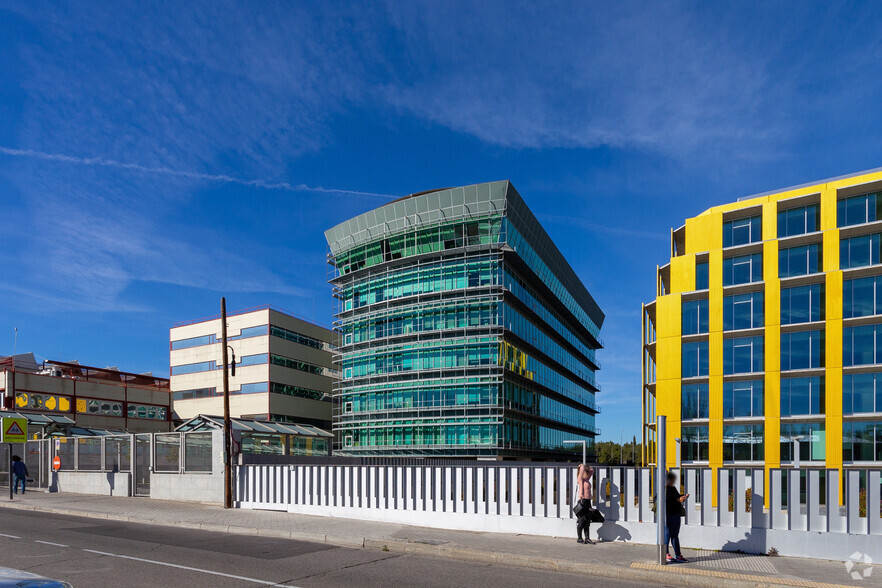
{"x": 761, "y": 342}
{"x": 463, "y": 331}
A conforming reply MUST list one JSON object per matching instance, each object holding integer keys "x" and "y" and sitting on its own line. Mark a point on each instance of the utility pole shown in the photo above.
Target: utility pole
{"x": 228, "y": 456}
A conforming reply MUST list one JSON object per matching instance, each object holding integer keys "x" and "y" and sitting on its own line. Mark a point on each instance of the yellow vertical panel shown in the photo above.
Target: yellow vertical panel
{"x": 683, "y": 273}
{"x": 770, "y": 221}
{"x": 828, "y": 210}
{"x": 704, "y": 232}
{"x": 830, "y": 253}
{"x": 833, "y": 371}
{"x": 698, "y": 236}
{"x": 715, "y": 359}
{"x": 772, "y": 362}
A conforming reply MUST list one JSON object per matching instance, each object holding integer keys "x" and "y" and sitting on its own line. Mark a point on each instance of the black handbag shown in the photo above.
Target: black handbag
{"x": 578, "y": 508}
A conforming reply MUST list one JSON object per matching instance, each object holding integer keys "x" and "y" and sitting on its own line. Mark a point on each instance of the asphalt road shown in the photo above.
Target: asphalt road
{"x": 94, "y": 553}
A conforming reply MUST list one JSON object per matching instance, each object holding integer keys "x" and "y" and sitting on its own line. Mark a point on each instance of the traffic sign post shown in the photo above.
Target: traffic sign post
{"x": 13, "y": 431}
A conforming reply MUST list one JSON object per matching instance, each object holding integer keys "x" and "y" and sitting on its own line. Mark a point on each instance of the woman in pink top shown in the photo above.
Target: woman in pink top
{"x": 584, "y": 493}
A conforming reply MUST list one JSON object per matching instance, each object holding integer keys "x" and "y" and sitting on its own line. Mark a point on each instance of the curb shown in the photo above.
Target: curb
{"x": 637, "y": 571}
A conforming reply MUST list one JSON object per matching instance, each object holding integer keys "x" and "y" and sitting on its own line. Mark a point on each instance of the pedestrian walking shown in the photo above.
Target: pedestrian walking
{"x": 583, "y": 495}
{"x": 673, "y": 511}
{"x": 20, "y": 473}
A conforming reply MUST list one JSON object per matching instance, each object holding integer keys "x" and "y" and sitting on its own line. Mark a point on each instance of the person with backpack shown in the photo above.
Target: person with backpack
{"x": 20, "y": 473}
{"x": 583, "y": 495}
{"x": 673, "y": 511}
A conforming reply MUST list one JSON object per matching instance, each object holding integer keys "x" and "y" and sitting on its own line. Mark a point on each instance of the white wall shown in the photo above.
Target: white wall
{"x": 103, "y": 483}
{"x": 536, "y": 500}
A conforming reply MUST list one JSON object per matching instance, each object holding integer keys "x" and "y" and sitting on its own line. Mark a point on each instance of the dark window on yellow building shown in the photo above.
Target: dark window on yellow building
{"x": 802, "y": 396}
{"x": 743, "y": 311}
{"x": 798, "y": 221}
{"x": 742, "y": 231}
{"x": 803, "y": 304}
{"x": 701, "y": 276}
{"x": 695, "y": 317}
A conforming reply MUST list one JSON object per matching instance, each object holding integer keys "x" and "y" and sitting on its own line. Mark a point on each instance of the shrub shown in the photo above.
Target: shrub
{"x": 863, "y": 502}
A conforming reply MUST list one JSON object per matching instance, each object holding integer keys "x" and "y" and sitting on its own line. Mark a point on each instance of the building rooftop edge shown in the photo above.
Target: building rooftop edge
{"x": 249, "y": 311}
{"x": 330, "y": 231}
{"x": 746, "y": 199}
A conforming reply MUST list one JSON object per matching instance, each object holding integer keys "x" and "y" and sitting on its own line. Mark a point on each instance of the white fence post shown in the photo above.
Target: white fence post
{"x": 854, "y": 523}
{"x": 874, "y": 523}
{"x": 813, "y": 501}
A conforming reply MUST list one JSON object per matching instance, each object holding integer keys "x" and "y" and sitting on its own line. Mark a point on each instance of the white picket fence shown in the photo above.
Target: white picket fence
{"x": 536, "y": 499}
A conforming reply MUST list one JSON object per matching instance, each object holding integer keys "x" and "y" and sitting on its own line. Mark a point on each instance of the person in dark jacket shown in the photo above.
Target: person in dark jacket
{"x": 673, "y": 507}
{"x": 20, "y": 473}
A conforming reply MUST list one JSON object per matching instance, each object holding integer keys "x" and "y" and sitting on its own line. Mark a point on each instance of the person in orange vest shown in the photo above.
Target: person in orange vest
{"x": 20, "y": 473}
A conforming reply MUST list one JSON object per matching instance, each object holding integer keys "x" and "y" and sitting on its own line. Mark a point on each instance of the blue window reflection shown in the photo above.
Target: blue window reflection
{"x": 862, "y": 393}
{"x": 695, "y": 359}
{"x": 743, "y": 355}
{"x": 862, "y": 297}
{"x": 798, "y": 221}
{"x": 799, "y": 261}
{"x": 802, "y": 350}
{"x": 742, "y": 231}
{"x": 860, "y": 345}
{"x": 802, "y": 396}
{"x": 695, "y": 317}
{"x": 701, "y": 276}
{"x": 743, "y": 399}
{"x": 743, "y": 311}
{"x": 858, "y": 210}
{"x": 859, "y": 251}
{"x": 695, "y": 401}
{"x": 803, "y": 304}
{"x": 743, "y": 269}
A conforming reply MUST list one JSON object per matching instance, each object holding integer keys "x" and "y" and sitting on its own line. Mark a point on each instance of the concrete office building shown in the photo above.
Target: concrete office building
{"x": 284, "y": 368}
{"x": 464, "y": 331}
{"x": 766, "y": 333}
{"x": 66, "y": 398}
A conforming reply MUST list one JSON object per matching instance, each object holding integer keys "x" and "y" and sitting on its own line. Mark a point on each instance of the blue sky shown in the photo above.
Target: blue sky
{"x": 157, "y": 155}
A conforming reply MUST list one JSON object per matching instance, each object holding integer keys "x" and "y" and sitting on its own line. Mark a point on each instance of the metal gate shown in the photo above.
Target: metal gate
{"x": 142, "y": 465}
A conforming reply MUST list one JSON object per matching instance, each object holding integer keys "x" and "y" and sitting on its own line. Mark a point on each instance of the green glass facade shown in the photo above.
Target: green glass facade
{"x": 462, "y": 331}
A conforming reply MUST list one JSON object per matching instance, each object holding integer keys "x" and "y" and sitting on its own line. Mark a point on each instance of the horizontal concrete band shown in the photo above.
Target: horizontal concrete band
{"x": 640, "y": 572}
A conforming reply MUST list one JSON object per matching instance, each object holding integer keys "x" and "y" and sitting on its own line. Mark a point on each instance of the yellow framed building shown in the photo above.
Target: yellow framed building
{"x": 765, "y": 338}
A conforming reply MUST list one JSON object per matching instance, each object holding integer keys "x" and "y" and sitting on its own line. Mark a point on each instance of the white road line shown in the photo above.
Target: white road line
{"x": 171, "y": 565}
{"x": 10, "y": 536}
{"x": 50, "y": 543}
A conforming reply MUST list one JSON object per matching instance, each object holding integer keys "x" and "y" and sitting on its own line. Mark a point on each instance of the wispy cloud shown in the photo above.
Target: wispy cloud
{"x": 608, "y": 228}
{"x": 257, "y": 183}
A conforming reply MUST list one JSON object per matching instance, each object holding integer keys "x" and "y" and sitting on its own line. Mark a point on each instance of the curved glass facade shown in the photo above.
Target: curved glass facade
{"x": 463, "y": 331}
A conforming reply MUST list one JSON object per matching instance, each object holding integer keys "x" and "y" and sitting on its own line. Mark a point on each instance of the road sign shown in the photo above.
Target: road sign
{"x": 13, "y": 430}
{"x": 56, "y": 463}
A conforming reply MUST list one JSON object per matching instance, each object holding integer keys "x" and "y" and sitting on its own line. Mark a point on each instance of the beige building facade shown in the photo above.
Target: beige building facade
{"x": 284, "y": 368}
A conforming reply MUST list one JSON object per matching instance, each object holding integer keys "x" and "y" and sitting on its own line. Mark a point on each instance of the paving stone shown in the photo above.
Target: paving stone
{"x": 617, "y": 558}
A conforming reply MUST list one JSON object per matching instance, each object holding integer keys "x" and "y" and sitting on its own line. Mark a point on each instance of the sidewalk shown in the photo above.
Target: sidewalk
{"x": 615, "y": 560}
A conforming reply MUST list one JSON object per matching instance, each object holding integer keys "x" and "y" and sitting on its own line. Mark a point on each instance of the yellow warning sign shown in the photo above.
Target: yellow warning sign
{"x": 13, "y": 430}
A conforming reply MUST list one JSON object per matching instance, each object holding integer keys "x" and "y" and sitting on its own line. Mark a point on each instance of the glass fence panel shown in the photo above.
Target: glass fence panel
{"x": 65, "y": 452}
{"x": 89, "y": 453}
{"x": 167, "y": 452}
{"x": 197, "y": 452}
{"x": 117, "y": 454}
